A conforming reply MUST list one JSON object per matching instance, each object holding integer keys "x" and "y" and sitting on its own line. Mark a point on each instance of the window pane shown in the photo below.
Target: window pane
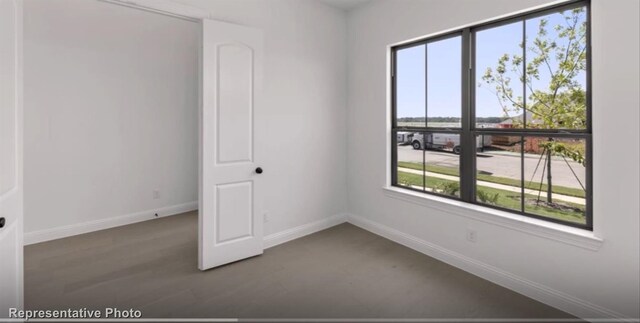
{"x": 410, "y": 87}
{"x": 499, "y": 171}
{"x": 499, "y": 68}
{"x": 444, "y": 83}
{"x": 442, "y": 162}
{"x": 555, "y": 165}
{"x": 556, "y": 70}
{"x": 410, "y": 161}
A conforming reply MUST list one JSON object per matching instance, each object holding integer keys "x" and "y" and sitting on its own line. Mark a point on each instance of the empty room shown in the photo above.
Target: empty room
{"x": 320, "y": 160}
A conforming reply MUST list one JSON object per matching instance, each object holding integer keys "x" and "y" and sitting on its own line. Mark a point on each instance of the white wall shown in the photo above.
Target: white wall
{"x": 110, "y": 112}
{"x": 90, "y": 150}
{"x": 603, "y": 282}
{"x": 305, "y": 93}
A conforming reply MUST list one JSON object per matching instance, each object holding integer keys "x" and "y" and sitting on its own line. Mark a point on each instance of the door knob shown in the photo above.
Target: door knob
{"x": 2, "y": 222}
{"x": 259, "y": 170}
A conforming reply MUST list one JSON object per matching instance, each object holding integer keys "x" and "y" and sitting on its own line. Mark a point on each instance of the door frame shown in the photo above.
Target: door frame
{"x": 17, "y": 225}
{"x": 164, "y": 7}
{"x": 197, "y": 15}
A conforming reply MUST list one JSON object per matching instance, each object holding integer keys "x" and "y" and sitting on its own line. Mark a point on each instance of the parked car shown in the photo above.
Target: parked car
{"x": 445, "y": 141}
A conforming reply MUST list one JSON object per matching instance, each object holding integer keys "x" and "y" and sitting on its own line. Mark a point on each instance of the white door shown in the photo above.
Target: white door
{"x": 230, "y": 219}
{"x": 11, "y": 268}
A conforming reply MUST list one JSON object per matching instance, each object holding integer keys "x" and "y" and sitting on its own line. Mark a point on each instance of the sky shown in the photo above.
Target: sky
{"x": 444, "y": 63}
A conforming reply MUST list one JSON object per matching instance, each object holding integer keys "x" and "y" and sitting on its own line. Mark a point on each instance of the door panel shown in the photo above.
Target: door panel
{"x": 11, "y": 236}
{"x": 234, "y": 211}
{"x": 230, "y": 219}
{"x": 235, "y": 103}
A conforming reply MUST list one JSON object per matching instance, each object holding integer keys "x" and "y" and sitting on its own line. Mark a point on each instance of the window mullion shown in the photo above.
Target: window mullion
{"x": 524, "y": 114}
{"x": 467, "y": 156}
{"x": 426, "y": 116}
{"x": 394, "y": 125}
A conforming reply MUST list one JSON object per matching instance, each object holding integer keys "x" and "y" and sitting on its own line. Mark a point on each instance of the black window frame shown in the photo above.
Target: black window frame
{"x": 468, "y": 130}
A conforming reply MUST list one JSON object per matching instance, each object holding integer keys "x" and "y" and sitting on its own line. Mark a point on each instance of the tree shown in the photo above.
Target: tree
{"x": 561, "y": 103}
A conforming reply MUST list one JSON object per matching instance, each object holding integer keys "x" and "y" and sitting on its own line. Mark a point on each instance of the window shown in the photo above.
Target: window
{"x": 499, "y": 115}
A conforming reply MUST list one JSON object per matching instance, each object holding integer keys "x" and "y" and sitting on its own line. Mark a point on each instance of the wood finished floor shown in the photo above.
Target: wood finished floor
{"x": 342, "y": 272}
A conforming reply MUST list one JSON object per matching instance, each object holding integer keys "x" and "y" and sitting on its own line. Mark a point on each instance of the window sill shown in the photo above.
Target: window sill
{"x": 565, "y": 234}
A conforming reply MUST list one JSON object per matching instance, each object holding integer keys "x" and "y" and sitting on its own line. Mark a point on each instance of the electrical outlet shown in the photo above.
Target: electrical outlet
{"x": 266, "y": 217}
{"x": 156, "y": 194}
{"x": 472, "y": 235}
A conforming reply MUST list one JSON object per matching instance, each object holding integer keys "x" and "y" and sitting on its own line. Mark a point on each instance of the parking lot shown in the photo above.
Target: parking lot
{"x": 502, "y": 164}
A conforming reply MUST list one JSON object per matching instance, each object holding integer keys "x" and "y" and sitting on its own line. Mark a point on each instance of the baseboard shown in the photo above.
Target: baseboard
{"x": 541, "y": 293}
{"x": 86, "y": 227}
{"x": 80, "y": 228}
{"x": 277, "y": 238}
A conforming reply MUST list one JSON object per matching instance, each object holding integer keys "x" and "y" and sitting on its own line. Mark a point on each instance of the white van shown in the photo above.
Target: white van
{"x": 444, "y": 141}
{"x": 404, "y": 138}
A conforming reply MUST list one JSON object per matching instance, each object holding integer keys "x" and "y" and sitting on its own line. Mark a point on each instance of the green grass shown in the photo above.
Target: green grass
{"x": 416, "y": 180}
{"x": 569, "y": 191}
{"x": 506, "y": 199}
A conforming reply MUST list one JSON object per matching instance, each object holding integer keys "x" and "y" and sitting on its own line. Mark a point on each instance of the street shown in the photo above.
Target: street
{"x": 503, "y": 164}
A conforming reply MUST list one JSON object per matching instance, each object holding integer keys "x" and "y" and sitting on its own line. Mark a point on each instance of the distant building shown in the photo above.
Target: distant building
{"x": 510, "y": 122}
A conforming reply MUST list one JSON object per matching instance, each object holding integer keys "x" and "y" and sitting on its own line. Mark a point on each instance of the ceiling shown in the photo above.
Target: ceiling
{"x": 345, "y": 4}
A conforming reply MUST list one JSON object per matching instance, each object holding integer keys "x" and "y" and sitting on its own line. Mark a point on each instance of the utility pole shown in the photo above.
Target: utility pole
{"x": 549, "y": 186}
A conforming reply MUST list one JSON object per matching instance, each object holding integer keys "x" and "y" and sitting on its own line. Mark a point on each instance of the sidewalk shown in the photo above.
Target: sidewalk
{"x": 566, "y": 198}
{"x": 526, "y": 155}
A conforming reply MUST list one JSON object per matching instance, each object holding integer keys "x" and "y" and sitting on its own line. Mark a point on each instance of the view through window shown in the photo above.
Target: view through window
{"x": 499, "y": 115}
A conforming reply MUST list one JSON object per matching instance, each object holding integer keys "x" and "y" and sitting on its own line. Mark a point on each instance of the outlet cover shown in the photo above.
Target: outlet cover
{"x": 472, "y": 235}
